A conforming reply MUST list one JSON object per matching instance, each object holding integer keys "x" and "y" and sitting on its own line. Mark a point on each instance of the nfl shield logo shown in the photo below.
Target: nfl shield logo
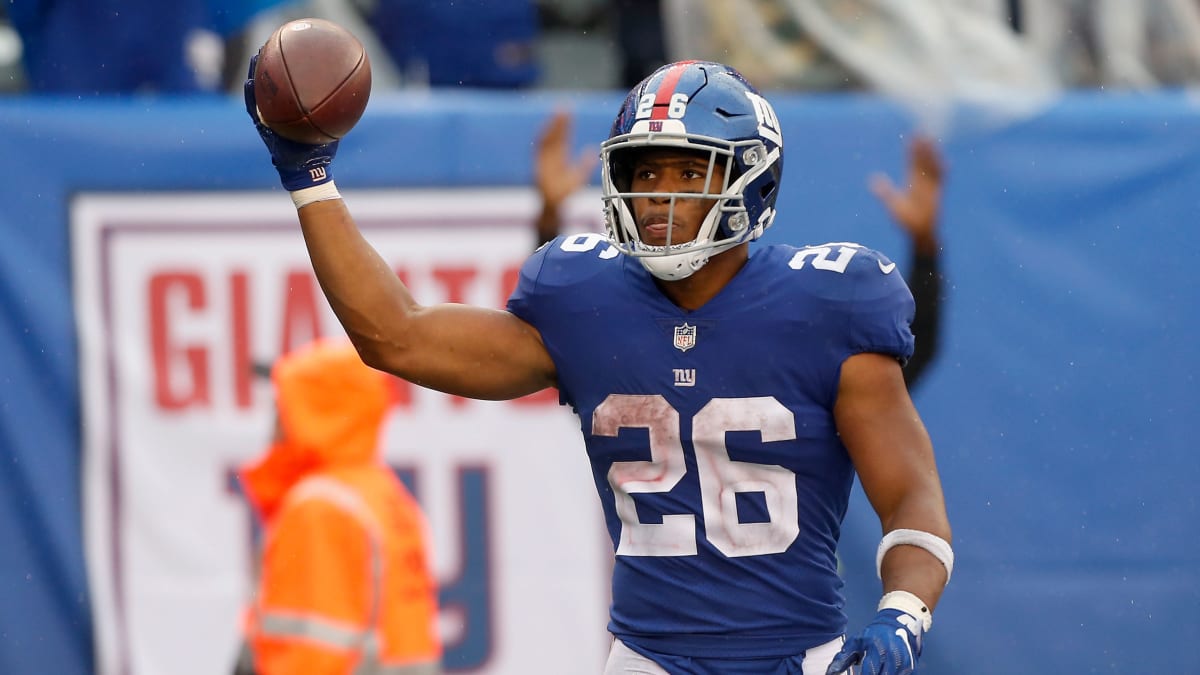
{"x": 685, "y": 337}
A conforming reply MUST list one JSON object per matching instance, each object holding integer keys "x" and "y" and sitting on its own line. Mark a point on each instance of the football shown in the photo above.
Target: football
{"x": 312, "y": 81}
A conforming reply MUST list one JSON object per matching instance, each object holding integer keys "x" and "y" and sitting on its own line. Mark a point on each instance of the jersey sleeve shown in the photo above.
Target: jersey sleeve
{"x": 879, "y": 314}
{"x": 863, "y": 300}
{"x": 550, "y": 293}
{"x": 522, "y": 302}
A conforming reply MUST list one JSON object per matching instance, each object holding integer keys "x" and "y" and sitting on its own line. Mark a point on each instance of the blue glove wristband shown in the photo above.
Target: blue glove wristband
{"x": 300, "y": 165}
{"x": 889, "y": 645}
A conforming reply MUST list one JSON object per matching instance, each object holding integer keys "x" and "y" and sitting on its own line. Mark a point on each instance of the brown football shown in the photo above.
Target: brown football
{"x": 312, "y": 81}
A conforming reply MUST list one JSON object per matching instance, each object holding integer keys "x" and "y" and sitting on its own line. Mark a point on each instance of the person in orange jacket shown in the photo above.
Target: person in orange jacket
{"x": 345, "y": 584}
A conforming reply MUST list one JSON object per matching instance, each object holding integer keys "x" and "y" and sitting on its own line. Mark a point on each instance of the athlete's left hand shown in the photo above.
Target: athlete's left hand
{"x": 889, "y": 645}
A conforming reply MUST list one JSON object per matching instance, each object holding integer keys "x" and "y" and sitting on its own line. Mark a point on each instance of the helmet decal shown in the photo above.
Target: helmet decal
{"x": 664, "y": 102}
{"x": 768, "y": 123}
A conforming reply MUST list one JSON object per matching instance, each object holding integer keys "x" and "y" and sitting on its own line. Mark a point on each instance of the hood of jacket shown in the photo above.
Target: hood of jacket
{"x": 331, "y": 409}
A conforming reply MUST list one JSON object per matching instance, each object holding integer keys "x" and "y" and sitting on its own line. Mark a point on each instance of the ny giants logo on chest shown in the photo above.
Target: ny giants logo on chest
{"x": 684, "y": 377}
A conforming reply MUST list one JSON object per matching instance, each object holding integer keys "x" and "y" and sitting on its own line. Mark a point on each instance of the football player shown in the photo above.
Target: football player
{"x": 726, "y": 396}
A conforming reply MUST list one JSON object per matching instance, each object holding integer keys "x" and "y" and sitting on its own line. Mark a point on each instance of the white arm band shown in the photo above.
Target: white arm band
{"x": 940, "y": 548}
{"x": 316, "y": 193}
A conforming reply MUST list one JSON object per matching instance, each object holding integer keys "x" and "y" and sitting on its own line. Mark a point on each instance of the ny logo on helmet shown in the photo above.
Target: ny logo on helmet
{"x": 768, "y": 123}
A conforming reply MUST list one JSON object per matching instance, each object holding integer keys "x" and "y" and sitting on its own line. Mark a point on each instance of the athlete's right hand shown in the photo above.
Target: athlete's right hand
{"x": 889, "y": 645}
{"x": 300, "y": 165}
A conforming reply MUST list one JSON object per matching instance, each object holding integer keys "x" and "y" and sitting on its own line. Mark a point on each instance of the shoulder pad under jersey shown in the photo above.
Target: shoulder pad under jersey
{"x": 561, "y": 262}
{"x": 864, "y": 287}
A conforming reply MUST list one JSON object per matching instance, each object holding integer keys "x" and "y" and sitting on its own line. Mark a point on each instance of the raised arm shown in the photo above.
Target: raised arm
{"x": 556, "y": 175}
{"x": 468, "y": 351}
{"x": 916, "y": 210}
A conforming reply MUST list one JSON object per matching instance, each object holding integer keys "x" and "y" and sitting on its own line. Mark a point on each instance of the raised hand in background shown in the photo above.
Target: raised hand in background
{"x": 556, "y": 174}
{"x": 917, "y": 211}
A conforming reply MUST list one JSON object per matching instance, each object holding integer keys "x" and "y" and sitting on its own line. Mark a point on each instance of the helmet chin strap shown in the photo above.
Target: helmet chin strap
{"x": 675, "y": 266}
{"x": 682, "y": 265}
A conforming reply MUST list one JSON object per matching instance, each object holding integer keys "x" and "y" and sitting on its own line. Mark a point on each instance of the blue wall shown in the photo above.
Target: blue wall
{"x": 1063, "y": 406}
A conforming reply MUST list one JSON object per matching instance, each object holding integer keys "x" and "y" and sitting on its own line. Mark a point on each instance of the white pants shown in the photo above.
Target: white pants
{"x": 624, "y": 661}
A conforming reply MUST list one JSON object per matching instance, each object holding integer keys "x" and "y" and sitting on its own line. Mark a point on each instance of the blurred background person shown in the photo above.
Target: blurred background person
{"x": 916, "y": 208}
{"x": 558, "y": 173}
{"x": 344, "y": 581}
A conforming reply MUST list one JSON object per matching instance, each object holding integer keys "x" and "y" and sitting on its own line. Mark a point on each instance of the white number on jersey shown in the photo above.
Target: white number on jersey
{"x": 720, "y": 477}
{"x": 820, "y": 256}
{"x": 586, "y": 241}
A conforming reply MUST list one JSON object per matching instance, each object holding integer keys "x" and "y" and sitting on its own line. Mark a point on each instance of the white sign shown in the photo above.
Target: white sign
{"x": 178, "y": 295}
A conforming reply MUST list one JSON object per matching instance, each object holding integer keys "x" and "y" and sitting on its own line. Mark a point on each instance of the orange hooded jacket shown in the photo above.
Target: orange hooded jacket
{"x": 344, "y": 582}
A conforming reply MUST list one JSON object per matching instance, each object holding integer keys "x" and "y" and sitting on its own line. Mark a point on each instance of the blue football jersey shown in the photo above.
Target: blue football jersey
{"x": 711, "y": 434}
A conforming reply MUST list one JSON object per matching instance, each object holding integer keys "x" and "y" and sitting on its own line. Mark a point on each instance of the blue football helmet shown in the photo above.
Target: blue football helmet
{"x": 705, "y": 107}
